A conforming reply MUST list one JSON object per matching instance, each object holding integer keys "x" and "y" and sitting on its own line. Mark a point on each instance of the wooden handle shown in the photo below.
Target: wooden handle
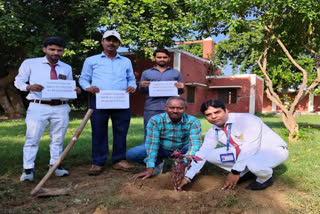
{"x": 64, "y": 153}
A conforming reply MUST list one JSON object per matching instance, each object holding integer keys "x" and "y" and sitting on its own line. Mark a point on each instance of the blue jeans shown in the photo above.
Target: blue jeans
{"x": 138, "y": 153}
{"x": 99, "y": 124}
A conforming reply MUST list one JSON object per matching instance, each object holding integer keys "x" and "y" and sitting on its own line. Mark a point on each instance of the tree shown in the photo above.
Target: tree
{"x": 145, "y": 24}
{"x": 24, "y": 25}
{"x": 278, "y": 38}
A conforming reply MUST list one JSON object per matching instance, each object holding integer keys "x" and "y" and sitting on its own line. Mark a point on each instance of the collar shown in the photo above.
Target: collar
{"x": 155, "y": 68}
{"x": 45, "y": 61}
{"x": 103, "y": 55}
{"x": 183, "y": 119}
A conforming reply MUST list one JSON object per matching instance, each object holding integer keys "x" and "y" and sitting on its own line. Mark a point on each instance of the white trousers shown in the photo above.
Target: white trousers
{"x": 38, "y": 115}
{"x": 260, "y": 164}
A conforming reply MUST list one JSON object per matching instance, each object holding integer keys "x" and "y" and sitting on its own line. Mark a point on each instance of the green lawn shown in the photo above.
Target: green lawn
{"x": 301, "y": 170}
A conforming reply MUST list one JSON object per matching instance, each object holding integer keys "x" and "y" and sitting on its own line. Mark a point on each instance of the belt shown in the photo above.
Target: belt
{"x": 51, "y": 102}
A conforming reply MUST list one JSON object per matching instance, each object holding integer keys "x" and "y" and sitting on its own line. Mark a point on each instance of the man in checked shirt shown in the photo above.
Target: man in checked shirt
{"x": 167, "y": 132}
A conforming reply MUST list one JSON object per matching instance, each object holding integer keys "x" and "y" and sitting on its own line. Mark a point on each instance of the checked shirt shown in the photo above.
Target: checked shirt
{"x": 161, "y": 132}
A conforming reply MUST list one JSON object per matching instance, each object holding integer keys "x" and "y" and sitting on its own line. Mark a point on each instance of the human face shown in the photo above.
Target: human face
{"x": 161, "y": 59}
{"x": 175, "y": 109}
{"x": 216, "y": 116}
{"x": 53, "y": 53}
{"x": 110, "y": 44}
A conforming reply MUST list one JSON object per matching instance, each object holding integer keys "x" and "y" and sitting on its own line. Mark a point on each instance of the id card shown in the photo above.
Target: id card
{"x": 227, "y": 157}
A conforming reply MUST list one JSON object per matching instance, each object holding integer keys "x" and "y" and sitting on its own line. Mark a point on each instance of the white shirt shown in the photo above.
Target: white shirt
{"x": 248, "y": 131}
{"x": 36, "y": 71}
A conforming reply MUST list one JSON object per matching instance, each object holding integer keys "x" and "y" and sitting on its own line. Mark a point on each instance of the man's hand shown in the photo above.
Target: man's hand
{"x": 181, "y": 184}
{"x": 231, "y": 181}
{"x": 93, "y": 90}
{"x": 78, "y": 90}
{"x": 145, "y": 84}
{"x": 130, "y": 89}
{"x": 35, "y": 87}
{"x": 145, "y": 174}
{"x": 179, "y": 84}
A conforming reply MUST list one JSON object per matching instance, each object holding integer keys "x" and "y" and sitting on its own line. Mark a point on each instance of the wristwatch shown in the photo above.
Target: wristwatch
{"x": 235, "y": 172}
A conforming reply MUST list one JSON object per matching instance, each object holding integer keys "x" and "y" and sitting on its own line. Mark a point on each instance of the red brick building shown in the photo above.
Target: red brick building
{"x": 241, "y": 93}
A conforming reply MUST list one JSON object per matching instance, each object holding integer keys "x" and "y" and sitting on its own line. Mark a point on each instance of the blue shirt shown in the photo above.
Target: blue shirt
{"x": 107, "y": 74}
{"x": 153, "y": 74}
{"x": 161, "y": 132}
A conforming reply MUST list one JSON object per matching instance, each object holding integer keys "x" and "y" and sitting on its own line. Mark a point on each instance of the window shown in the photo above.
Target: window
{"x": 228, "y": 95}
{"x": 191, "y": 94}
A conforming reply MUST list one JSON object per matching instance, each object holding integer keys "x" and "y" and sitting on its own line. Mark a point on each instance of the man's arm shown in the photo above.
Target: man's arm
{"x": 23, "y": 77}
{"x": 194, "y": 137}
{"x": 144, "y": 83}
{"x": 180, "y": 84}
{"x": 251, "y": 129}
{"x": 86, "y": 75}
{"x": 130, "y": 76}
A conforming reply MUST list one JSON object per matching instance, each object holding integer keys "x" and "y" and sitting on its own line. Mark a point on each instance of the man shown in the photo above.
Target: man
{"x": 254, "y": 149}
{"x": 108, "y": 71}
{"x": 167, "y": 132}
{"x": 32, "y": 73}
{"x": 161, "y": 72}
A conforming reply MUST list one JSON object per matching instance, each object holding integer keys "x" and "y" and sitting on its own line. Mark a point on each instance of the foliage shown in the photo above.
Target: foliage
{"x": 276, "y": 38}
{"x": 196, "y": 49}
{"x": 145, "y": 24}
{"x": 24, "y": 25}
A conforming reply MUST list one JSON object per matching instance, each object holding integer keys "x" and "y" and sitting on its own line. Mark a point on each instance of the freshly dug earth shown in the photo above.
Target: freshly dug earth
{"x": 116, "y": 192}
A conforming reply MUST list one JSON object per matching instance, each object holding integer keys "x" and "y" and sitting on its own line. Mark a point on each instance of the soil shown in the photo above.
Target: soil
{"x": 116, "y": 192}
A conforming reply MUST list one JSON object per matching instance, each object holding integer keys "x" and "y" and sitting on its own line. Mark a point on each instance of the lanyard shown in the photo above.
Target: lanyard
{"x": 228, "y": 136}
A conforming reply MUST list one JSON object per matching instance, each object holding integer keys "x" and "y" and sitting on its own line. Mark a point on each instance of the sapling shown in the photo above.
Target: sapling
{"x": 182, "y": 164}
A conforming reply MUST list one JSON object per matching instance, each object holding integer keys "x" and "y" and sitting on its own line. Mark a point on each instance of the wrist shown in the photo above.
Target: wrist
{"x": 235, "y": 172}
{"x": 188, "y": 179}
{"x": 28, "y": 88}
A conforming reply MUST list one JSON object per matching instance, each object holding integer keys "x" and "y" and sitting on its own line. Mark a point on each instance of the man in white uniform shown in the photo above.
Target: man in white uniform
{"x": 249, "y": 147}
{"x": 32, "y": 73}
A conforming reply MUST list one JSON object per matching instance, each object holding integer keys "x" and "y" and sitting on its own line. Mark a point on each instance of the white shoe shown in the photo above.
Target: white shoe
{"x": 158, "y": 169}
{"x": 27, "y": 175}
{"x": 60, "y": 171}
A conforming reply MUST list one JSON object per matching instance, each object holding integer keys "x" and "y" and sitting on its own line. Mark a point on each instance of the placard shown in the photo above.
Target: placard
{"x": 112, "y": 99}
{"x": 59, "y": 89}
{"x": 163, "y": 89}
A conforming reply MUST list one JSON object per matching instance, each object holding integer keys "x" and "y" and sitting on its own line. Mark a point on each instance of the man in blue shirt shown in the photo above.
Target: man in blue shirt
{"x": 160, "y": 72}
{"x": 108, "y": 71}
{"x": 167, "y": 132}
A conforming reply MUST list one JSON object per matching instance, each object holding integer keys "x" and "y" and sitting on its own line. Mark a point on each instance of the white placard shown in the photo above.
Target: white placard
{"x": 59, "y": 89}
{"x": 163, "y": 89}
{"x": 112, "y": 99}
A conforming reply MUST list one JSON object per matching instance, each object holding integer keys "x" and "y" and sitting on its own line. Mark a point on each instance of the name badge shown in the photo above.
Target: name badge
{"x": 227, "y": 157}
{"x": 62, "y": 77}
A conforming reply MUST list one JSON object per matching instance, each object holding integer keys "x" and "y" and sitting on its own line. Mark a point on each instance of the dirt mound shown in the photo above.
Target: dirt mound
{"x": 204, "y": 195}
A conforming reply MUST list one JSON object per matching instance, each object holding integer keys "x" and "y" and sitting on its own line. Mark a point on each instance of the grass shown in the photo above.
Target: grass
{"x": 300, "y": 172}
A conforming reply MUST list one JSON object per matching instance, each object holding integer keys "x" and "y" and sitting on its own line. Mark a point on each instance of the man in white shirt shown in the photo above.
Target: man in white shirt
{"x": 249, "y": 147}
{"x": 32, "y": 73}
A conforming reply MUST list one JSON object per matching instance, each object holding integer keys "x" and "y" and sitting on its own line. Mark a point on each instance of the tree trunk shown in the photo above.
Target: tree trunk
{"x": 290, "y": 123}
{"x": 11, "y": 102}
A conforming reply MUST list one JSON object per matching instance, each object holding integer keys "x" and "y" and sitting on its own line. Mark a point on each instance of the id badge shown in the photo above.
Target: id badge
{"x": 227, "y": 157}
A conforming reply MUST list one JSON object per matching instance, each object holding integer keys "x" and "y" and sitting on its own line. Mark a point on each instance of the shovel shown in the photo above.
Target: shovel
{"x": 45, "y": 192}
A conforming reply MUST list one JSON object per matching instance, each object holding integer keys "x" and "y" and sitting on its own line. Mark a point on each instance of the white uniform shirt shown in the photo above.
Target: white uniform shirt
{"x": 248, "y": 131}
{"x": 36, "y": 71}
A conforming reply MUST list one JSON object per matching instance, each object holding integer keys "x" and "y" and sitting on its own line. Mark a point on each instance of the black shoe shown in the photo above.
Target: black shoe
{"x": 248, "y": 176}
{"x": 258, "y": 186}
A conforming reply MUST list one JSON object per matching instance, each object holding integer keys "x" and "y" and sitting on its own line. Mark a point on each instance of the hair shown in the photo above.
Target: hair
{"x": 161, "y": 50}
{"x": 212, "y": 103}
{"x": 54, "y": 41}
{"x": 177, "y": 98}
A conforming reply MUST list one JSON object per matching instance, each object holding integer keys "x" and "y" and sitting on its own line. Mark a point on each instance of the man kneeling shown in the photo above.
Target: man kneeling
{"x": 167, "y": 132}
{"x": 249, "y": 148}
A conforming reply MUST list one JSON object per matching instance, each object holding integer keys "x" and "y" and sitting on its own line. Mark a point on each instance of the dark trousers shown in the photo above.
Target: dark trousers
{"x": 99, "y": 123}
